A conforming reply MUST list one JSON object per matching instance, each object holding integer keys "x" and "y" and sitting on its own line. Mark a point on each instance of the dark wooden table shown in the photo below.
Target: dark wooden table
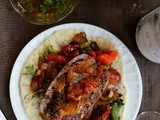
{"x": 118, "y": 16}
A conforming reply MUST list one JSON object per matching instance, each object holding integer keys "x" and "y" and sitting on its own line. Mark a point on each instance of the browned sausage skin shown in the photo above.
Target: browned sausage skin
{"x": 75, "y": 97}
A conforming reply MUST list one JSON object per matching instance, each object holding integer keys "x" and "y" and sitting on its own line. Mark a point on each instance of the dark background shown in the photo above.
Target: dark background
{"x": 120, "y": 17}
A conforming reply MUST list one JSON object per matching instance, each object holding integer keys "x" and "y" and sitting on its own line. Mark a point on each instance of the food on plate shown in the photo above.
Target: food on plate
{"x": 77, "y": 86}
{"x": 72, "y": 77}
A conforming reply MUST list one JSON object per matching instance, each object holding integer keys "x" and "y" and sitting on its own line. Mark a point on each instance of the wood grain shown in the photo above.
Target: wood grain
{"x": 118, "y": 16}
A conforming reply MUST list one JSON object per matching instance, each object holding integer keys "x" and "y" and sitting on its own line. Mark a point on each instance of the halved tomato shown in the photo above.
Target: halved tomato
{"x": 58, "y": 58}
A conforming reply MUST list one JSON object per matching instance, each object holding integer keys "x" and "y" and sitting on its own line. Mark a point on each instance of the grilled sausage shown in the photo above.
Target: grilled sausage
{"x": 70, "y": 97}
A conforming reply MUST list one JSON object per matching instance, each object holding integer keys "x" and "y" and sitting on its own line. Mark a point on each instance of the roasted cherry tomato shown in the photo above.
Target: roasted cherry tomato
{"x": 71, "y": 47}
{"x": 98, "y": 52}
{"x": 103, "y": 58}
{"x": 57, "y": 58}
{"x": 112, "y": 54}
{"x": 92, "y": 53}
{"x": 107, "y": 58}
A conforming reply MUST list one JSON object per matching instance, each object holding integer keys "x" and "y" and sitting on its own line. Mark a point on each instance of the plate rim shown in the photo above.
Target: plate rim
{"x": 53, "y": 29}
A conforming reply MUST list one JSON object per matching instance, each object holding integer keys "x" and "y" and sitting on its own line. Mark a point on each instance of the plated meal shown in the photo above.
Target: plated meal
{"x": 72, "y": 77}
{"x": 75, "y": 71}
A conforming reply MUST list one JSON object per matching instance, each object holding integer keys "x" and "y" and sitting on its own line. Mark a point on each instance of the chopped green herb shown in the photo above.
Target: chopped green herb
{"x": 116, "y": 108}
{"x": 44, "y": 9}
{"x": 47, "y": 9}
{"x": 95, "y": 66}
{"x": 32, "y": 95}
{"x": 30, "y": 70}
{"x": 56, "y": 114}
{"x": 46, "y": 53}
{"x": 109, "y": 67}
{"x": 87, "y": 48}
{"x": 105, "y": 67}
{"x": 84, "y": 34}
{"x": 52, "y": 50}
{"x": 29, "y": 96}
{"x": 49, "y": 51}
{"x": 48, "y": 2}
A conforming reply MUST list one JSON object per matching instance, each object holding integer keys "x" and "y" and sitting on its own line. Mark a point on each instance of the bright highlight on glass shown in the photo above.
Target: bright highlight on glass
{"x": 149, "y": 115}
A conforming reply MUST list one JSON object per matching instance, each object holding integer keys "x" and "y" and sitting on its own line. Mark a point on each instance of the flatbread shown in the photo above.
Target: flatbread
{"x": 56, "y": 41}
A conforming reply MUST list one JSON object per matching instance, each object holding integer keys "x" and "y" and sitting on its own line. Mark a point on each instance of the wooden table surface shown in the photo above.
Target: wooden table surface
{"x": 120, "y": 17}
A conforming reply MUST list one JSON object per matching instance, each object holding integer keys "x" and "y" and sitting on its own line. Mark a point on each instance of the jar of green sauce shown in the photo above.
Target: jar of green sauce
{"x": 43, "y": 11}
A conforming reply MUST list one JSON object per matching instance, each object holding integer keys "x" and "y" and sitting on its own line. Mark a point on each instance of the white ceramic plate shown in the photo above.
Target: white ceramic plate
{"x": 132, "y": 76}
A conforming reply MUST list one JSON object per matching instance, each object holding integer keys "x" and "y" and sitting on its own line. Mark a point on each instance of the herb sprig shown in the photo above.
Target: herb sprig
{"x": 32, "y": 95}
{"x": 30, "y": 70}
{"x": 116, "y": 108}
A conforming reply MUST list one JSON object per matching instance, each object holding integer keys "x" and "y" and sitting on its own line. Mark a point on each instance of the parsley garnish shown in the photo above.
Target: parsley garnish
{"x": 48, "y": 2}
{"x": 52, "y": 50}
{"x": 85, "y": 49}
{"x": 30, "y": 70}
{"x": 30, "y": 96}
{"x": 44, "y": 9}
{"x": 116, "y": 108}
